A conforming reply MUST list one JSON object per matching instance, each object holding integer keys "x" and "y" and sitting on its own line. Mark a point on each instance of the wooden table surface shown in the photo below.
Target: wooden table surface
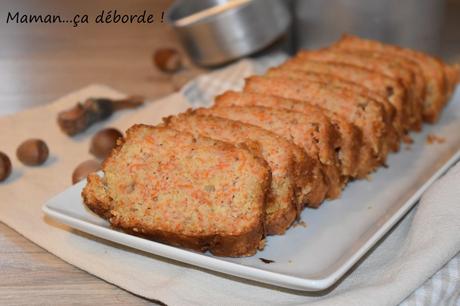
{"x": 38, "y": 64}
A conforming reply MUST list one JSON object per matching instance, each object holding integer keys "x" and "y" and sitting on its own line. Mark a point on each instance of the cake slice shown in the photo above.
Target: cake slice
{"x": 419, "y": 84}
{"x": 414, "y": 84}
{"x": 433, "y": 70}
{"x": 366, "y": 114}
{"x": 385, "y": 86}
{"x": 283, "y": 206}
{"x": 184, "y": 190}
{"x": 315, "y": 135}
{"x": 394, "y": 130}
{"x": 348, "y": 150}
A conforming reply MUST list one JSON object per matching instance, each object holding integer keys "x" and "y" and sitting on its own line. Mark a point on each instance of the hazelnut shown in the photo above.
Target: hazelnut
{"x": 84, "y": 169}
{"x": 167, "y": 60}
{"x": 104, "y": 141}
{"x": 5, "y": 166}
{"x": 33, "y": 152}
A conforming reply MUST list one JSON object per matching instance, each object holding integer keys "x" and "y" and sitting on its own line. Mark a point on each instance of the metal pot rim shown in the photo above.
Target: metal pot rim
{"x": 176, "y": 22}
{"x": 228, "y": 33}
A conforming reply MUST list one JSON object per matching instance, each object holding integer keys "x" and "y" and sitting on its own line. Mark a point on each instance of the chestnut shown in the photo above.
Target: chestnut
{"x": 84, "y": 169}
{"x": 104, "y": 141}
{"x": 167, "y": 60}
{"x": 5, "y": 166}
{"x": 32, "y": 152}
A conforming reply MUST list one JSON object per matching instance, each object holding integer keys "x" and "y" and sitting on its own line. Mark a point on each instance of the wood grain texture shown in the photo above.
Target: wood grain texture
{"x": 32, "y": 276}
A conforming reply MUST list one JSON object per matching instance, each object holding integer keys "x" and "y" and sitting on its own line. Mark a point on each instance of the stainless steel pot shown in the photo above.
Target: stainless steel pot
{"x": 217, "y": 31}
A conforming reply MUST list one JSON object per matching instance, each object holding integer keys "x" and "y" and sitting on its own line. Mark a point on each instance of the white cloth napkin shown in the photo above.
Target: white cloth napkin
{"x": 417, "y": 247}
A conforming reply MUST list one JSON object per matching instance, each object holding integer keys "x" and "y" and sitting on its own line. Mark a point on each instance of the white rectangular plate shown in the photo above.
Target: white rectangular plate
{"x": 337, "y": 235}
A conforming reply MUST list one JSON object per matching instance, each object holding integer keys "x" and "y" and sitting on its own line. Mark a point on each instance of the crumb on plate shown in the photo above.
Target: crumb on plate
{"x": 434, "y": 139}
{"x": 300, "y": 223}
{"x": 407, "y": 139}
{"x": 267, "y": 261}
